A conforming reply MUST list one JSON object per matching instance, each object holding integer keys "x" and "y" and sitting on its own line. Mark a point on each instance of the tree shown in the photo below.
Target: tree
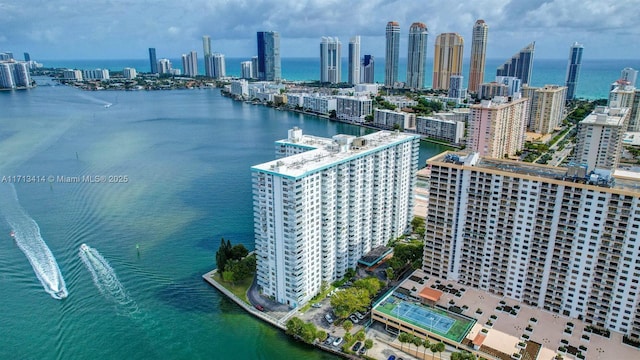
{"x": 462, "y": 355}
{"x": 321, "y": 335}
{"x": 294, "y": 326}
{"x": 440, "y": 348}
{"x": 426, "y": 344}
{"x": 229, "y": 276}
{"x": 416, "y": 341}
{"x": 347, "y": 325}
{"x": 372, "y": 284}
{"x": 368, "y": 344}
{"x": 403, "y": 338}
{"x": 308, "y": 333}
{"x": 390, "y": 274}
{"x": 360, "y": 335}
{"x": 349, "y": 301}
{"x": 222, "y": 255}
{"x": 433, "y": 348}
{"x": 238, "y": 251}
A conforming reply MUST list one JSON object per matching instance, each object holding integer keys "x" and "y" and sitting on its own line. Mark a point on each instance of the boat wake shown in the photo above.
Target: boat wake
{"x": 107, "y": 281}
{"x": 26, "y": 234}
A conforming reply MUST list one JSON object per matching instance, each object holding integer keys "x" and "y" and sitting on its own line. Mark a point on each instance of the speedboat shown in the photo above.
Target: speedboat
{"x": 12, "y": 234}
{"x": 84, "y": 247}
{"x": 108, "y": 105}
{"x": 61, "y": 294}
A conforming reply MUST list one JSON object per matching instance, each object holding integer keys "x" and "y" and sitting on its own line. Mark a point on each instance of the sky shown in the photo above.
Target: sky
{"x": 125, "y": 29}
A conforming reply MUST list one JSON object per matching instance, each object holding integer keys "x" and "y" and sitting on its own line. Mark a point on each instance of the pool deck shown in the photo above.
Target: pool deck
{"x": 506, "y": 331}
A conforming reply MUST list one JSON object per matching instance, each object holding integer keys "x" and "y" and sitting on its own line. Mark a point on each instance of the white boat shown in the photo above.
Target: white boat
{"x": 84, "y": 248}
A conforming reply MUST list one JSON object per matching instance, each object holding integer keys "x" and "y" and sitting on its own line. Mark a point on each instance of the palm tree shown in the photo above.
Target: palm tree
{"x": 403, "y": 338}
{"x": 432, "y": 347}
{"x": 425, "y": 344}
{"x": 440, "y": 348}
{"x": 417, "y": 342}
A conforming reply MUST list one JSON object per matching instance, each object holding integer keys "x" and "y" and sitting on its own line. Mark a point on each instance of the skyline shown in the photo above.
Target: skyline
{"x": 174, "y": 29}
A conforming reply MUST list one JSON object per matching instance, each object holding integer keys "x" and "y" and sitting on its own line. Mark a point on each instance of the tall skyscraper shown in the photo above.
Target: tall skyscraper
{"x": 307, "y": 231}
{"x": 600, "y": 138}
{"x": 558, "y": 240}
{"x": 190, "y": 64}
{"x": 447, "y": 59}
{"x": 573, "y": 69}
{"x": 417, "y": 56}
{"x": 153, "y": 62}
{"x": 354, "y": 60}
{"x": 368, "y": 69}
{"x": 478, "y": 55}
{"x": 392, "y": 54}
{"x": 520, "y": 65}
{"x": 254, "y": 67}
{"x": 330, "y": 60}
{"x": 208, "y": 59}
{"x": 219, "y": 66}
{"x": 27, "y": 57}
{"x": 269, "y": 67}
{"x": 497, "y": 127}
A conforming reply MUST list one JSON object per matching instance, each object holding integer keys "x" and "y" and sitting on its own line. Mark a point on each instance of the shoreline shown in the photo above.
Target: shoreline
{"x": 266, "y": 318}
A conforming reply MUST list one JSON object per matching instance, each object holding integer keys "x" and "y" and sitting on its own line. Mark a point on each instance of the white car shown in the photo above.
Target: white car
{"x": 328, "y": 318}
{"x": 337, "y": 341}
{"x": 354, "y": 319}
{"x": 359, "y": 315}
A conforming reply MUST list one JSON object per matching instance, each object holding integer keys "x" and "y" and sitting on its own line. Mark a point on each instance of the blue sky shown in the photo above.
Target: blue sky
{"x": 124, "y": 29}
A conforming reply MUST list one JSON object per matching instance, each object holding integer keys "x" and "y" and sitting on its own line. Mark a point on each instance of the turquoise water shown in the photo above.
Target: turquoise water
{"x": 186, "y": 157}
{"x": 595, "y": 75}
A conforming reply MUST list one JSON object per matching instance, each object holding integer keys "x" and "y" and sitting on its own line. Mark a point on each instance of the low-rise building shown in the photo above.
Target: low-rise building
{"x": 439, "y": 129}
{"x": 352, "y": 108}
{"x": 390, "y": 120}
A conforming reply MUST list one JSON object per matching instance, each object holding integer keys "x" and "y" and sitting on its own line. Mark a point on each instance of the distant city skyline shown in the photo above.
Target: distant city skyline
{"x": 174, "y": 28}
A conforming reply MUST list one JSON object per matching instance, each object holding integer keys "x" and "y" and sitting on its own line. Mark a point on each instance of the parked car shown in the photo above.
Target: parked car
{"x": 362, "y": 351}
{"x": 354, "y": 319}
{"x": 259, "y": 307}
{"x": 337, "y": 341}
{"x": 316, "y": 305}
{"x": 356, "y": 346}
{"x": 391, "y": 357}
{"x": 329, "y": 340}
{"x": 359, "y": 315}
{"x": 328, "y": 318}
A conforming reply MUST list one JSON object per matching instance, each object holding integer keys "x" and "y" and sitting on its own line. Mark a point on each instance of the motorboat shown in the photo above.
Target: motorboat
{"x": 84, "y": 248}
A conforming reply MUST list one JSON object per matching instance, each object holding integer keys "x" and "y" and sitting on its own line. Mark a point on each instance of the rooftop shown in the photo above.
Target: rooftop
{"x": 328, "y": 152}
{"x": 621, "y": 179}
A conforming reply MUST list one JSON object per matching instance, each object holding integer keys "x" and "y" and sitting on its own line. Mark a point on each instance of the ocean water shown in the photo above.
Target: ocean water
{"x": 595, "y": 76}
{"x": 136, "y": 292}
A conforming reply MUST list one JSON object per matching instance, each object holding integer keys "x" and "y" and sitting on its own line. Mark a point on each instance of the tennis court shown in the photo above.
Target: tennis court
{"x": 432, "y": 319}
{"x": 423, "y": 315}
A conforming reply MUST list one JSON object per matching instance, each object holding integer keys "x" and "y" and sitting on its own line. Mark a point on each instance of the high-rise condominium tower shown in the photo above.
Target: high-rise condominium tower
{"x": 497, "y": 127}
{"x": 354, "y": 60}
{"x": 600, "y": 138}
{"x": 368, "y": 70}
{"x": 269, "y": 67}
{"x": 153, "y": 63}
{"x": 573, "y": 69}
{"x": 520, "y": 65}
{"x": 447, "y": 59}
{"x": 558, "y": 240}
{"x": 208, "y": 60}
{"x": 190, "y": 64}
{"x": 327, "y": 203}
{"x": 392, "y": 54}
{"x": 478, "y": 55}
{"x": 417, "y": 56}
{"x": 330, "y": 60}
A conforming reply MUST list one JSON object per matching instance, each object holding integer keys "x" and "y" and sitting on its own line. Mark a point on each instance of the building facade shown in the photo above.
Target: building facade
{"x": 573, "y": 69}
{"x": 269, "y": 66}
{"x": 600, "y": 138}
{"x": 558, "y": 240}
{"x": 246, "y": 70}
{"x": 520, "y": 65}
{"x": 330, "y": 60}
{"x": 440, "y": 129}
{"x": 190, "y": 64}
{"x": 392, "y": 120}
{"x": 497, "y": 127}
{"x": 368, "y": 70}
{"x": 417, "y": 55}
{"x": 478, "y": 55}
{"x": 354, "y": 60}
{"x": 353, "y": 108}
{"x": 153, "y": 63}
{"x": 546, "y": 107}
{"x": 129, "y": 73}
{"x": 447, "y": 59}
{"x": 392, "y": 54}
{"x": 317, "y": 211}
